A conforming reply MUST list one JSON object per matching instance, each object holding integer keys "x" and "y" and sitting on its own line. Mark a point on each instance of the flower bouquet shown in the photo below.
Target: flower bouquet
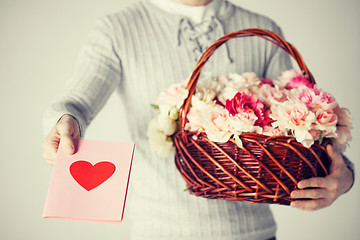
{"x": 244, "y": 138}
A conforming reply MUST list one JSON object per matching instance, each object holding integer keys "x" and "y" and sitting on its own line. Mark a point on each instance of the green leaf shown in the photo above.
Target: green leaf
{"x": 321, "y": 137}
{"x": 238, "y": 141}
{"x": 155, "y": 106}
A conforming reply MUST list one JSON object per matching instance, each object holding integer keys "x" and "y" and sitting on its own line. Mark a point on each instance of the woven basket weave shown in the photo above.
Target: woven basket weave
{"x": 265, "y": 170}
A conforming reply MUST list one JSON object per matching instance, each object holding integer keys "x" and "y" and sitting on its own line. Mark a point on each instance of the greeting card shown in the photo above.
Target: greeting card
{"x": 90, "y": 185}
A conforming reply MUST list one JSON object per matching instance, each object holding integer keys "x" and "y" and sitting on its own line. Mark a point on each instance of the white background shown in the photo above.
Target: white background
{"x": 39, "y": 41}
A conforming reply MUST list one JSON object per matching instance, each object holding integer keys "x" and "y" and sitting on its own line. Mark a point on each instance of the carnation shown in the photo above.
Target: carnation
{"x": 158, "y": 141}
{"x": 173, "y": 96}
{"x": 248, "y": 103}
{"x": 227, "y": 106}
{"x": 316, "y": 98}
{"x": 294, "y": 116}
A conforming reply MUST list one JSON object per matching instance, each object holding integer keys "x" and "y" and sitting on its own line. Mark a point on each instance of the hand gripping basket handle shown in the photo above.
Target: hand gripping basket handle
{"x": 268, "y": 35}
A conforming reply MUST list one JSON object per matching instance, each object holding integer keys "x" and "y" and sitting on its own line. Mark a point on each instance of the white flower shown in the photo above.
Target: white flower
{"x": 166, "y": 124}
{"x": 205, "y": 95}
{"x": 170, "y": 111}
{"x": 159, "y": 142}
{"x": 245, "y": 80}
{"x": 209, "y": 83}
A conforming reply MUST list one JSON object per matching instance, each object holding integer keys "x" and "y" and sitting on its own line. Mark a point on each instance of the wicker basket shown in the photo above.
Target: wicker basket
{"x": 265, "y": 170}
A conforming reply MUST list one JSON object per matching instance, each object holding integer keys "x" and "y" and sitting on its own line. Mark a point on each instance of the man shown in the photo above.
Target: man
{"x": 141, "y": 51}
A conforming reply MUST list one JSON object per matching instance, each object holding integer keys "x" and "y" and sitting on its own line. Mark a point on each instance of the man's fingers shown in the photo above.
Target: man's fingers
{"x": 64, "y": 132}
{"x": 316, "y": 182}
{"x": 310, "y": 205}
{"x": 309, "y": 194}
{"x": 49, "y": 150}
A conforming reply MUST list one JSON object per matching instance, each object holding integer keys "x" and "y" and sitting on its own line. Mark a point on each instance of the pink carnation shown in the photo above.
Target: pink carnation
{"x": 267, "y": 81}
{"x": 243, "y": 102}
{"x": 317, "y": 98}
{"x": 343, "y": 135}
{"x": 344, "y": 116}
{"x": 216, "y": 124}
{"x": 326, "y": 121}
{"x": 294, "y": 116}
{"x": 298, "y": 81}
{"x": 274, "y": 131}
{"x": 272, "y": 95}
{"x": 173, "y": 96}
{"x": 244, "y": 122}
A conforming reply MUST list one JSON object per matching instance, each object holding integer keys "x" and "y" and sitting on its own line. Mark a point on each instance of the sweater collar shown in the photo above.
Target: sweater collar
{"x": 199, "y": 34}
{"x": 220, "y": 9}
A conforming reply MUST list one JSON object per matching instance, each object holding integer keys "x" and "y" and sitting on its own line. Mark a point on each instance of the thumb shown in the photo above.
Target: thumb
{"x": 67, "y": 143}
{"x": 66, "y": 139}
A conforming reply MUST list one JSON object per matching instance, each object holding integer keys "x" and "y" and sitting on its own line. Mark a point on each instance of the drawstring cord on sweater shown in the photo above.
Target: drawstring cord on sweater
{"x": 200, "y": 35}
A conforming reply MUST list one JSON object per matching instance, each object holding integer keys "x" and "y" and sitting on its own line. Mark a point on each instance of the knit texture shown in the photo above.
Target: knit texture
{"x": 140, "y": 51}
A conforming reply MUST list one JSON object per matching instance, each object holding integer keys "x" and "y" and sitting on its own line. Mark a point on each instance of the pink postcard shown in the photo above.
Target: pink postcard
{"x": 90, "y": 185}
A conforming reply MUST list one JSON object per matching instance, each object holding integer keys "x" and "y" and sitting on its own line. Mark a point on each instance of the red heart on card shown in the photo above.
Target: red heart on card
{"x": 91, "y": 176}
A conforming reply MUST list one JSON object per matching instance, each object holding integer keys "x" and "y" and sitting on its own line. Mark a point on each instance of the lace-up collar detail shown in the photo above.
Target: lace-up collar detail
{"x": 202, "y": 35}
{"x": 196, "y": 35}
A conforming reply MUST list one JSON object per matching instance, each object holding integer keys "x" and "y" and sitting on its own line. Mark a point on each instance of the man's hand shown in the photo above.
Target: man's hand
{"x": 324, "y": 190}
{"x": 65, "y": 130}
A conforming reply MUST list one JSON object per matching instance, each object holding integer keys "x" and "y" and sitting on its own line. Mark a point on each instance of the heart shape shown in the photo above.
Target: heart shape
{"x": 91, "y": 176}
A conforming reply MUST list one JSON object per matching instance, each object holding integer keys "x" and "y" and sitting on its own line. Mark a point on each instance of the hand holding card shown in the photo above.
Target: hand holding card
{"x": 90, "y": 185}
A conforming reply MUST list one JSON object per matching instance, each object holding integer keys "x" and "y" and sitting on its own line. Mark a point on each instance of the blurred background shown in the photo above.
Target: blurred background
{"x": 39, "y": 42}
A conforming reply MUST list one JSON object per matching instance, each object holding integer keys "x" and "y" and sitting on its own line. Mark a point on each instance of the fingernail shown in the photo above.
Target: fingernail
{"x": 292, "y": 204}
{"x": 69, "y": 149}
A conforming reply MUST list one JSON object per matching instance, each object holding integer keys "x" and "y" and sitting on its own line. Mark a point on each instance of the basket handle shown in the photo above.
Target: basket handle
{"x": 265, "y": 34}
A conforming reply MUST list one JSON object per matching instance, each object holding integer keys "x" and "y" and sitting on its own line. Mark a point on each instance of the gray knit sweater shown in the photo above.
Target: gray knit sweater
{"x": 140, "y": 51}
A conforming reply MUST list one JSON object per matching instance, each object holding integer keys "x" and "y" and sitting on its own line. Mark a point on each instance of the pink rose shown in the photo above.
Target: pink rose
{"x": 316, "y": 98}
{"x": 243, "y": 102}
{"x": 298, "y": 81}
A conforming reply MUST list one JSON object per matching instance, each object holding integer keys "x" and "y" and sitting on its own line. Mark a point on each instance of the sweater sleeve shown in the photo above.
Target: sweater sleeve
{"x": 97, "y": 72}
